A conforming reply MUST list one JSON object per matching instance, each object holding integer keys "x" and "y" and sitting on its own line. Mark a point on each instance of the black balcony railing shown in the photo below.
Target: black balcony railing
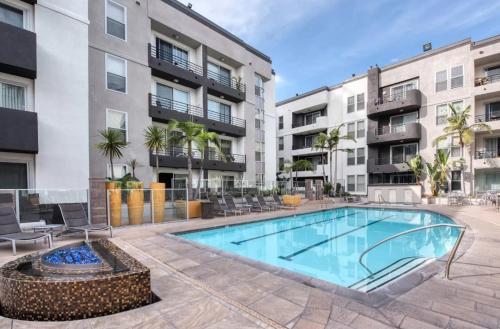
{"x": 227, "y": 157}
{"x": 486, "y": 80}
{"x": 486, "y": 118}
{"x": 392, "y": 97}
{"x": 230, "y": 82}
{"x": 182, "y": 152}
{"x": 487, "y": 154}
{"x": 303, "y": 122}
{"x": 170, "y": 104}
{"x": 386, "y": 130}
{"x": 301, "y": 146}
{"x": 396, "y": 159}
{"x": 176, "y": 60}
{"x": 217, "y": 116}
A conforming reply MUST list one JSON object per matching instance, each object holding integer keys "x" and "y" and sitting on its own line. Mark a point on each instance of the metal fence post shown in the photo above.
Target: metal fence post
{"x": 152, "y": 206}
{"x": 18, "y": 210}
{"x": 187, "y": 200}
{"x": 108, "y": 210}
{"x": 89, "y": 208}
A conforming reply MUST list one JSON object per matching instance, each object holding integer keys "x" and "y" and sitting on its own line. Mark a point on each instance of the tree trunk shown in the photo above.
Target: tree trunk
{"x": 323, "y": 165}
{"x": 201, "y": 173}
{"x": 157, "y": 168}
{"x": 471, "y": 180}
{"x": 335, "y": 170}
{"x": 190, "y": 173}
{"x": 112, "y": 168}
{"x": 331, "y": 169}
{"x": 462, "y": 181}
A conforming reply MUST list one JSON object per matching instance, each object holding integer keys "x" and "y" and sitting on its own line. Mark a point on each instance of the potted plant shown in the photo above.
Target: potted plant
{"x": 156, "y": 141}
{"x": 135, "y": 195}
{"x": 111, "y": 146}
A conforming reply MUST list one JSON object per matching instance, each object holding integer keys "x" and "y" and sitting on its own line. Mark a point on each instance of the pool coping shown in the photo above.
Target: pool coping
{"x": 378, "y": 297}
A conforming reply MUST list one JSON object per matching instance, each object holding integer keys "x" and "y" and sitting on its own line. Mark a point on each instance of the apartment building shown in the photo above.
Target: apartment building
{"x": 407, "y": 106}
{"x": 44, "y": 94}
{"x": 152, "y": 61}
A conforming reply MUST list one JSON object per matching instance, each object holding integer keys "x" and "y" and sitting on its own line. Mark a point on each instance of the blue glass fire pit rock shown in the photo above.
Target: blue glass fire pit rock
{"x": 73, "y": 255}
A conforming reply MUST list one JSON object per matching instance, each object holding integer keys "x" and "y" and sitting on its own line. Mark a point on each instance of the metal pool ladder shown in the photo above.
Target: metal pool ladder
{"x": 450, "y": 257}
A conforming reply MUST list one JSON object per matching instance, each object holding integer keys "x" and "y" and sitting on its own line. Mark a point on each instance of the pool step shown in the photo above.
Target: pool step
{"x": 388, "y": 273}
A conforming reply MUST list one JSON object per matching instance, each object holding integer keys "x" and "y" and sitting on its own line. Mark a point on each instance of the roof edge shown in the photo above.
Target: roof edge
{"x": 309, "y": 93}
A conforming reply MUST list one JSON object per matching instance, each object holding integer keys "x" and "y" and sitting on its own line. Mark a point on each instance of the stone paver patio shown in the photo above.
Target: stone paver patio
{"x": 203, "y": 288}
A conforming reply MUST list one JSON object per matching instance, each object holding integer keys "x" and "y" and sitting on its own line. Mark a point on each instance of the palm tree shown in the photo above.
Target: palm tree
{"x": 156, "y": 141}
{"x": 288, "y": 168}
{"x": 441, "y": 161}
{"x": 321, "y": 144}
{"x": 432, "y": 174}
{"x": 416, "y": 166}
{"x": 332, "y": 142}
{"x": 111, "y": 146}
{"x": 189, "y": 138}
{"x": 133, "y": 164}
{"x": 203, "y": 141}
{"x": 458, "y": 126}
{"x": 301, "y": 165}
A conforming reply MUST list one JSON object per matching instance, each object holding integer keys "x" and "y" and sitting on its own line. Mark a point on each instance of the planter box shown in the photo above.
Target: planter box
{"x": 193, "y": 207}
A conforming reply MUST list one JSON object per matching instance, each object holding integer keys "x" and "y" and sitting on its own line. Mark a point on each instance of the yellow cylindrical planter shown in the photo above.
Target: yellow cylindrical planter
{"x": 135, "y": 203}
{"x": 291, "y": 200}
{"x": 115, "y": 203}
{"x": 193, "y": 208}
{"x": 158, "y": 199}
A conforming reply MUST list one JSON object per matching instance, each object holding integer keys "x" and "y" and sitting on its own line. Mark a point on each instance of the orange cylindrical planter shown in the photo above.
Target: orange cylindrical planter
{"x": 115, "y": 203}
{"x": 135, "y": 204}
{"x": 158, "y": 199}
{"x": 291, "y": 200}
{"x": 193, "y": 208}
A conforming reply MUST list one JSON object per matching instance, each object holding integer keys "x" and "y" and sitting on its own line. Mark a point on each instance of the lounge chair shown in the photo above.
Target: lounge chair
{"x": 220, "y": 209}
{"x": 263, "y": 203}
{"x": 228, "y": 199}
{"x": 75, "y": 219}
{"x": 280, "y": 204}
{"x": 11, "y": 231}
{"x": 256, "y": 206}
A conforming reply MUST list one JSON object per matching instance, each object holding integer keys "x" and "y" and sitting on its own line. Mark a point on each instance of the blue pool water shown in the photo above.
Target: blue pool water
{"x": 327, "y": 244}
{"x": 73, "y": 255}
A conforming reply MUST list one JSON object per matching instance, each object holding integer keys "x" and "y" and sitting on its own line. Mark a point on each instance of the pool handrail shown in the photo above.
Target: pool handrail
{"x": 450, "y": 258}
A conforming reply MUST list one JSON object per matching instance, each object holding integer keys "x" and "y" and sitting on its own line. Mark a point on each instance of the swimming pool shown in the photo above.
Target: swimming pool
{"x": 327, "y": 244}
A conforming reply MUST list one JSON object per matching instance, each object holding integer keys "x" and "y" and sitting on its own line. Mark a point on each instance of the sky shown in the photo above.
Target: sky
{"x": 314, "y": 43}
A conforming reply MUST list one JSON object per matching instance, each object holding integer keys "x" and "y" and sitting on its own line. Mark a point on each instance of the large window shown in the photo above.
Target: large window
{"x": 457, "y": 76}
{"x": 360, "y": 129}
{"x": 13, "y": 175}
{"x": 398, "y": 92}
{"x": 281, "y": 144}
{"x": 360, "y": 184}
{"x": 116, "y": 73}
{"x": 116, "y": 20}
{"x": 171, "y": 98}
{"x": 455, "y": 147}
{"x": 456, "y": 180}
{"x": 12, "y": 96}
{"x": 11, "y": 15}
{"x": 360, "y": 100}
{"x": 219, "y": 74}
{"x": 492, "y": 111}
{"x": 226, "y": 147}
{"x": 351, "y": 183}
{"x": 441, "y": 81}
{"x": 117, "y": 121}
{"x": 441, "y": 114}
{"x": 219, "y": 111}
{"x": 351, "y": 158}
{"x": 350, "y": 104}
{"x": 351, "y": 130}
{"x": 172, "y": 54}
{"x": 281, "y": 164}
{"x": 310, "y": 118}
{"x": 280, "y": 122}
{"x": 493, "y": 73}
{"x": 403, "y": 153}
{"x": 360, "y": 155}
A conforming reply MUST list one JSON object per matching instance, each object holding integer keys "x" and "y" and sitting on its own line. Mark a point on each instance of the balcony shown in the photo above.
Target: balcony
{"x": 317, "y": 171}
{"x": 18, "y": 131}
{"x": 385, "y": 165}
{"x": 396, "y": 103}
{"x": 18, "y": 53}
{"x": 164, "y": 109}
{"x": 173, "y": 68}
{"x": 410, "y": 132}
{"x": 177, "y": 157}
{"x": 226, "y": 87}
{"x": 485, "y": 159}
{"x": 492, "y": 120}
{"x": 486, "y": 87}
{"x": 227, "y": 124}
{"x": 301, "y": 126}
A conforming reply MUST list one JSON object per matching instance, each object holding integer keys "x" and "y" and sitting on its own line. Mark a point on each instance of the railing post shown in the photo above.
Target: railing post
{"x": 152, "y": 197}
{"x": 187, "y": 200}
{"x": 89, "y": 207}
{"x": 453, "y": 253}
{"x": 18, "y": 210}
{"x": 108, "y": 210}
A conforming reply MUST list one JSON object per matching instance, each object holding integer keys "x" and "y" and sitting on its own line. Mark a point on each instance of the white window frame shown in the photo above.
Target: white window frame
{"x": 364, "y": 183}
{"x": 347, "y": 183}
{"x": 404, "y": 85}
{"x": 106, "y": 73}
{"x": 27, "y": 89}
{"x": 106, "y": 19}
{"x": 436, "y": 81}
{"x": 357, "y": 128}
{"x": 405, "y": 144}
{"x": 353, "y": 104}
{"x": 27, "y": 12}
{"x": 463, "y": 76}
{"x": 126, "y": 121}
{"x": 364, "y": 102}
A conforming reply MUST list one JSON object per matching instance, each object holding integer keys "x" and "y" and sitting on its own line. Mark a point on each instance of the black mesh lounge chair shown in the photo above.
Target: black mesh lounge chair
{"x": 263, "y": 203}
{"x": 255, "y": 205}
{"x": 76, "y": 220}
{"x": 280, "y": 204}
{"x": 220, "y": 209}
{"x": 11, "y": 231}
{"x": 228, "y": 199}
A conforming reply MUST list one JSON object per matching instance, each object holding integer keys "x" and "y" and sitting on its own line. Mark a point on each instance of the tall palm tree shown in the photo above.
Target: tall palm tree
{"x": 432, "y": 173}
{"x": 416, "y": 166}
{"x": 321, "y": 144}
{"x": 441, "y": 161}
{"x": 203, "y": 141}
{"x": 458, "y": 126}
{"x": 156, "y": 141}
{"x": 189, "y": 138}
{"x": 111, "y": 146}
{"x": 332, "y": 142}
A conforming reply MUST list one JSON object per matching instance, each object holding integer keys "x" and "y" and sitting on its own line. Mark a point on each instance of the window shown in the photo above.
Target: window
{"x": 455, "y": 146}
{"x": 351, "y": 158}
{"x": 456, "y": 180}
{"x": 226, "y": 147}
{"x": 441, "y": 81}
{"x": 403, "y": 153}
{"x": 360, "y": 102}
{"x": 492, "y": 111}
{"x": 457, "y": 77}
{"x": 259, "y": 85}
{"x": 458, "y": 106}
{"x": 310, "y": 140}
{"x": 11, "y": 16}
{"x": 120, "y": 170}
{"x": 281, "y": 145}
{"x": 116, "y": 120}
{"x": 441, "y": 114}
{"x": 351, "y": 183}
{"x": 360, "y": 155}
{"x": 310, "y": 118}
{"x": 12, "y": 96}
{"x": 172, "y": 54}
{"x": 360, "y": 185}
{"x": 219, "y": 111}
{"x": 493, "y": 73}
{"x": 258, "y": 156}
{"x": 350, "y": 104}
{"x": 280, "y": 122}
{"x": 116, "y": 73}
{"x": 281, "y": 164}
{"x": 116, "y": 20}
{"x": 219, "y": 74}
{"x": 398, "y": 92}
{"x": 360, "y": 129}
{"x": 351, "y": 130}
{"x": 171, "y": 98}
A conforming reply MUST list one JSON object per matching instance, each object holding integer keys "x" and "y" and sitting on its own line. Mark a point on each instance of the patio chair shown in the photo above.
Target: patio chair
{"x": 11, "y": 231}
{"x": 263, "y": 203}
{"x": 255, "y": 205}
{"x": 228, "y": 199}
{"x": 280, "y": 204}
{"x": 221, "y": 209}
{"x": 76, "y": 220}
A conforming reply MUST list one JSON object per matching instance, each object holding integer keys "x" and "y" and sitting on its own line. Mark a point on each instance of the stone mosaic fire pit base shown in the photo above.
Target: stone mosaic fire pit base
{"x": 33, "y": 287}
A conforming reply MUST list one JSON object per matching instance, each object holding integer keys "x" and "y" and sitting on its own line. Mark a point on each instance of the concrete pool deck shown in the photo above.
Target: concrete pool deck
{"x": 202, "y": 288}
